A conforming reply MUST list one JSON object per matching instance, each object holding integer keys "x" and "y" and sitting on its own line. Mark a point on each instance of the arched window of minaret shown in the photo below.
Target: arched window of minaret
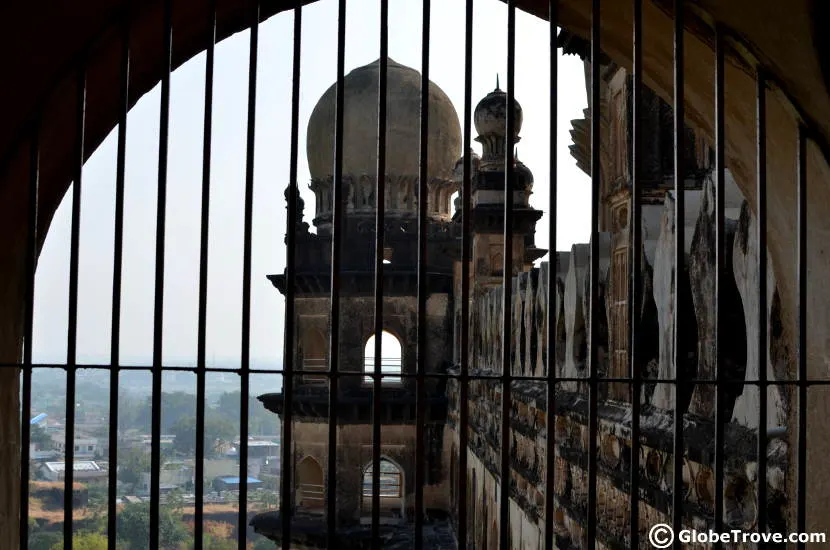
{"x": 310, "y": 485}
{"x": 391, "y": 360}
{"x": 391, "y": 489}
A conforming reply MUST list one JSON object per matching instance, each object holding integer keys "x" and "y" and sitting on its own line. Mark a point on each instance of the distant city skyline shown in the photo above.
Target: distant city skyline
{"x": 271, "y": 177}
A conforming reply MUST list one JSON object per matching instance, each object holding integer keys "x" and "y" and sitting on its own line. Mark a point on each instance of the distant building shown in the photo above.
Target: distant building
{"x": 85, "y": 447}
{"x": 84, "y": 470}
{"x": 231, "y": 483}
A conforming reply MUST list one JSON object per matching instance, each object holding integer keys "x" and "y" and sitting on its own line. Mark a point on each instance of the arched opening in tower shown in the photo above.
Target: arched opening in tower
{"x": 391, "y": 359}
{"x": 391, "y": 493}
{"x": 310, "y": 485}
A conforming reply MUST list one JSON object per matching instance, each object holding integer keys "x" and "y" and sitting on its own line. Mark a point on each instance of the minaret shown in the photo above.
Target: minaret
{"x": 490, "y": 119}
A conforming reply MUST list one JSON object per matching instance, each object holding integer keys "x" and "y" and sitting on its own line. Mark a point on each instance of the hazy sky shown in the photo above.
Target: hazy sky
{"x": 271, "y": 176}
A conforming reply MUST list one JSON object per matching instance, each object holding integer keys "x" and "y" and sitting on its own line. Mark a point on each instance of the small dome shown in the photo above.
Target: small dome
{"x": 458, "y": 171}
{"x": 360, "y": 126}
{"x": 523, "y": 175}
{"x": 491, "y": 114}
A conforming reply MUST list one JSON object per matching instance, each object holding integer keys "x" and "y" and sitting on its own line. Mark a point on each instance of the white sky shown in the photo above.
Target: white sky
{"x": 271, "y": 176}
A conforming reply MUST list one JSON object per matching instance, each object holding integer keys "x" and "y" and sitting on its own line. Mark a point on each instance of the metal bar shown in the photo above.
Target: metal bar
{"x": 801, "y": 276}
{"x": 117, "y": 265}
{"x": 286, "y": 463}
{"x": 380, "y": 213}
{"x": 466, "y": 205}
{"x": 245, "y": 364}
{"x": 420, "y": 399}
{"x": 720, "y": 269}
{"x": 207, "y": 136}
{"x": 334, "y": 318}
{"x": 507, "y": 282}
{"x": 550, "y": 453}
{"x": 679, "y": 266}
{"x": 761, "y": 136}
{"x": 158, "y": 320}
{"x": 28, "y": 327}
{"x": 635, "y": 293}
{"x": 593, "y": 390}
{"x": 72, "y": 332}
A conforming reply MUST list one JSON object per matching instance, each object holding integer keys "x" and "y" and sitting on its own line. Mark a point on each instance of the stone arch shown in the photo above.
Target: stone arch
{"x": 310, "y": 484}
{"x": 392, "y": 490}
{"x": 313, "y": 354}
{"x": 787, "y": 43}
{"x": 391, "y": 364}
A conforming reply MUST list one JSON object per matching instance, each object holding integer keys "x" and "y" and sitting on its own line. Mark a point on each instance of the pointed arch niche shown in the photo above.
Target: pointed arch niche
{"x": 310, "y": 485}
{"x": 314, "y": 348}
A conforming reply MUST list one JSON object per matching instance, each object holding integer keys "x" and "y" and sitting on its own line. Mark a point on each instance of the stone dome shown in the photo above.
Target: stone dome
{"x": 490, "y": 115}
{"x": 360, "y": 126}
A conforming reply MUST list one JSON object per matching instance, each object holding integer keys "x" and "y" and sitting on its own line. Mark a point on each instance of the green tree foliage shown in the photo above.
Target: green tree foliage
{"x": 131, "y": 464}
{"x": 260, "y": 420}
{"x": 45, "y": 540}
{"x": 41, "y": 439}
{"x": 217, "y": 429}
{"x": 133, "y": 525}
{"x": 85, "y": 541}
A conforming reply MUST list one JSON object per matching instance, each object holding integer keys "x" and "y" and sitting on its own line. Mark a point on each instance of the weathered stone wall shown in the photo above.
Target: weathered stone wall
{"x": 354, "y": 454}
{"x": 737, "y": 358}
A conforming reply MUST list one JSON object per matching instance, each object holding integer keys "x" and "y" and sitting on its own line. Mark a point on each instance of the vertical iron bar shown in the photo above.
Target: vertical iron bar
{"x": 466, "y": 204}
{"x": 26, "y": 388}
{"x": 550, "y": 454}
{"x": 507, "y": 282}
{"x": 286, "y": 461}
{"x": 634, "y": 295}
{"x": 801, "y": 235}
{"x": 380, "y": 213}
{"x": 244, "y": 374}
{"x": 761, "y": 136}
{"x": 207, "y": 135}
{"x": 158, "y": 321}
{"x": 679, "y": 259}
{"x": 336, "y": 252}
{"x": 72, "y": 333}
{"x": 593, "y": 391}
{"x": 117, "y": 265}
{"x": 423, "y": 199}
{"x": 720, "y": 269}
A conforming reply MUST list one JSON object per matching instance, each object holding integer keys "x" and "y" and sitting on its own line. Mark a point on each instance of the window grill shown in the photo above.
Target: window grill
{"x": 628, "y": 371}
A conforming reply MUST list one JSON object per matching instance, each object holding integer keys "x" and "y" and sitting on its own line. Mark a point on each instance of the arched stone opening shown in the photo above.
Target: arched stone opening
{"x": 392, "y": 493}
{"x": 391, "y": 361}
{"x": 570, "y": 15}
{"x": 310, "y": 495}
{"x": 313, "y": 355}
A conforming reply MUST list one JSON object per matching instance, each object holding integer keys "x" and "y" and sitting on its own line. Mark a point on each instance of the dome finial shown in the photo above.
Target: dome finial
{"x": 497, "y": 82}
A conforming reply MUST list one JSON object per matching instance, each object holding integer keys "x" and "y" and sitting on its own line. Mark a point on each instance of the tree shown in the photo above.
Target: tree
{"x": 219, "y": 536}
{"x": 133, "y": 526}
{"x": 45, "y": 540}
{"x": 260, "y": 420}
{"x": 85, "y": 541}
{"x": 132, "y": 464}
{"x": 216, "y": 429}
{"x": 40, "y": 438}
